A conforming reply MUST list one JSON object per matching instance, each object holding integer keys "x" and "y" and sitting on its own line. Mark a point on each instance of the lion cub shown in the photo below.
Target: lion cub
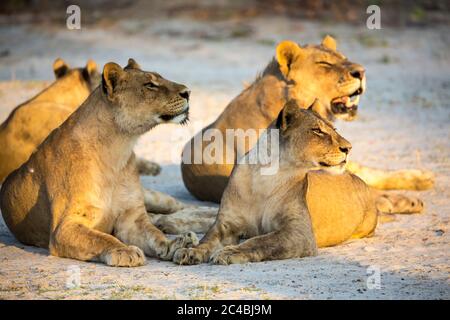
{"x": 289, "y": 214}
{"x": 79, "y": 194}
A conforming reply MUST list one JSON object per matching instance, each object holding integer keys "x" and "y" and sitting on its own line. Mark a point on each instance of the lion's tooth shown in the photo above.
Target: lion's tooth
{"x": 348, "y": 102}
{"x": 352, "y": 101}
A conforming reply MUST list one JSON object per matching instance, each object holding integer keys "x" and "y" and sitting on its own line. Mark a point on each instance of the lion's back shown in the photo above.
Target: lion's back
{"x": 24, "y": 131}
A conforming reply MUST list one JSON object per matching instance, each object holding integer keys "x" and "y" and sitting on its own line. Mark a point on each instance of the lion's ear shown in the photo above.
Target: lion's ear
{"x": 112, "y": 74}
{"x": 91, "y": 67}
{"x": 287, "y": 115}
{"x": 286, "y": 53}
{"x": 60, "y": 68}
{"x": 329, "y": 42}
{"x": 132, "y": 64}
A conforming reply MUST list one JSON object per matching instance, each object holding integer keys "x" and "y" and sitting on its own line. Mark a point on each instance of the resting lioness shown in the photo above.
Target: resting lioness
{"x": 300, "y": 73}
{"x": 79, "y": 194}
{"x": 32, "y": 121}
{"x": 293, "y": 212}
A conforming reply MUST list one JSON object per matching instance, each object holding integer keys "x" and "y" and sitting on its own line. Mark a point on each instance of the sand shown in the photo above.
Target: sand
{"x": 404, "y": 122}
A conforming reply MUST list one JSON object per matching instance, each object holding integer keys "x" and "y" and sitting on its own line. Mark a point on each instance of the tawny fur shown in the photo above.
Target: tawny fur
{"x": 79, "y": 194}
{"x": 300, "y": 208}
{"x": 303, "y": 74}
{"x": 32, "y": 121}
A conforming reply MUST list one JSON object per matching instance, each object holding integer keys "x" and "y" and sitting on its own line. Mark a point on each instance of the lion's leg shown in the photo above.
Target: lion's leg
{"x": 158, "y": 202}
{"x": 196, "y": 219}
{"x": 282, "y": 244}
{"x": 410, "y": 179}
{"x": 221, "y": 234}
{"x": 146, "y": 167}
{"x": 367, "y": 227}
{"x": 134, "y": 227}
{"x": 396, "y": 203}
{"x": 175, "y": 217}
{"x": 75, "y": 240}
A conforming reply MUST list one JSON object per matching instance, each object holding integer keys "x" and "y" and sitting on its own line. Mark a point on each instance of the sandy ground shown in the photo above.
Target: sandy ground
{"x": 404, "y": 122}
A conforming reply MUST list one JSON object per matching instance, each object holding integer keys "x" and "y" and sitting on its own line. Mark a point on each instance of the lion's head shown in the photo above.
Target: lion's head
{"x": 310, "y": 140}
{"x": 319, "y": 71}
{"x": 89, "y": 74}
{"x": 142, "y": 99}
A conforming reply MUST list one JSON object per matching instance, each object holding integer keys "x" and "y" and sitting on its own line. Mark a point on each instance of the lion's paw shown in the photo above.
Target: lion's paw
{"x": 189, "y": 256}
{"x": 229, "y": 255}
{"x": 187, "y": 240}
{"x": 398, "y": 204}
{"x": 129, "y": 256}
{"x": 411, "y": 205}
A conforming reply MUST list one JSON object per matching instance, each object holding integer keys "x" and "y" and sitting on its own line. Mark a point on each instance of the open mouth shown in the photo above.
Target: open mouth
{"x": 347, "y": 104}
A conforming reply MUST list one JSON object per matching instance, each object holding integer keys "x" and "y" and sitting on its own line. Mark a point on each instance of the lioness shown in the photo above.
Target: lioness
{"x": 300, "y": 73}
{"x": 79, "y": 194}
{"x": 298, "y": 209}
{"x": 32, "y": 121}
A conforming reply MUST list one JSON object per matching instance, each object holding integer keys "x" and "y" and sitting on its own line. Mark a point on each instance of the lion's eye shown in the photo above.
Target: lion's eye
{"x": 317, "y": 131}
{"x": 151, "y": 85}
{"x": 324, "y": 63}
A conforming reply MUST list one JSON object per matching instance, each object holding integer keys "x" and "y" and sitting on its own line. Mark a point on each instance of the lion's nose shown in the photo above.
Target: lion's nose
{"x": 358, "y": 73}
{"x": 185, "y": 94}
{"x": 345, "y": 150}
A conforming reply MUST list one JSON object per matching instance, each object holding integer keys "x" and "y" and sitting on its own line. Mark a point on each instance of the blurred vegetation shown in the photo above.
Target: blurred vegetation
{"x": 394, "y": 12}
{"x": 372, "y": 40}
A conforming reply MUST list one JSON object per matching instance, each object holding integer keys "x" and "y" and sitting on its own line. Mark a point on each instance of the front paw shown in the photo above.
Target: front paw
{"x": 186, "y": 240}
{"x": 229, "y": 255}
{"x": 129, "y": 256}
{"x": 189, "y": 256}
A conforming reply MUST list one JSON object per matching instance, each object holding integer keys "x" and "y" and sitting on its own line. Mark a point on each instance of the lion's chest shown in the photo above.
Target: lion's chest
{"x": 264, "y": 204}
{"x": 113, "y": 198}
